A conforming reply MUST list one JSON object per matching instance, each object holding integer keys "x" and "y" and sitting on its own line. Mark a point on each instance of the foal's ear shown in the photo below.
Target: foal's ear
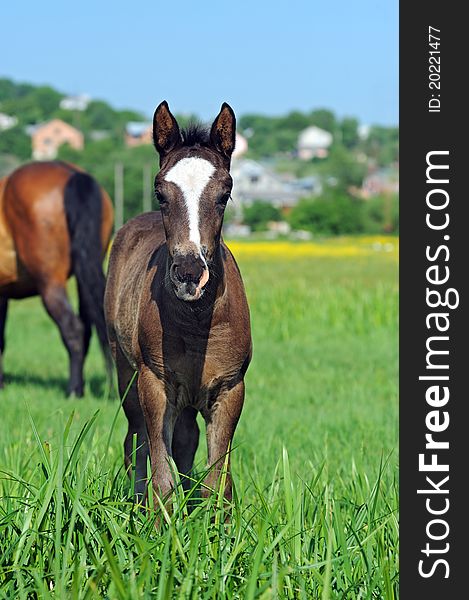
{"x": 223, "y": 132}
{"x": 166, "y": 134}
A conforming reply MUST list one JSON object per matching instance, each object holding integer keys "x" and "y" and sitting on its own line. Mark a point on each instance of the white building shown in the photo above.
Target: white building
{"x": 382, "y": 181}
{"x": 364, "y": 131}
{"x": 79, "y": 102}
{"x": 7, "y": 121}
{"x": 313, "y": 142}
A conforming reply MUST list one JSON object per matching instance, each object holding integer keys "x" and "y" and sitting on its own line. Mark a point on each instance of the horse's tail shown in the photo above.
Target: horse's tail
{"x": 83, "y": 210}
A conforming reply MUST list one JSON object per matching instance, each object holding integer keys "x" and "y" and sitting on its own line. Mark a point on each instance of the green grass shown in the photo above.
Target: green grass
{"x": 314, "y": 513}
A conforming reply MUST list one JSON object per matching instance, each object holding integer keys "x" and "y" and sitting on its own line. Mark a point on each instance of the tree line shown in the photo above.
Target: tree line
{"x": 270, "y": 138}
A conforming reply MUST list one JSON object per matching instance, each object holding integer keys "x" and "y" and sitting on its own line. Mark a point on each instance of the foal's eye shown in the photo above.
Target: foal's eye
{"x": 224, "y": 199}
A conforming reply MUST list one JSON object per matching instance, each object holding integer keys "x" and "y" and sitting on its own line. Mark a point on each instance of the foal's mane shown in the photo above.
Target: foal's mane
{"x": 195, "y": 134}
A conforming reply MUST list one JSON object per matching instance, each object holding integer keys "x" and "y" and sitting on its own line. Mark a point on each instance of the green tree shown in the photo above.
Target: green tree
{"x": 47, "y": 98}
{"x": 349, "y": 132}
{"x": 296, "y": 121}
{"x": 99, "y": 115}
{"x": 382, "y": 214}
{"x": 259, "y": 213}
{"x": 15, "y": 142}
{"x": 334, "y": 214}
{"x": 382, "y": 145}
{"x": 324, "y": 119}
{"x": 30, "y": 104}
{"x": 263, "y": 140}
{"x": 10, "y": 90}
{"x": 343, "y": 165}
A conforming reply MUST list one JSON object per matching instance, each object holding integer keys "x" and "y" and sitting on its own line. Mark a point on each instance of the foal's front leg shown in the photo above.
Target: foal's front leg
{"x": 221, "y": 421}
{"x": 159, "y": 420}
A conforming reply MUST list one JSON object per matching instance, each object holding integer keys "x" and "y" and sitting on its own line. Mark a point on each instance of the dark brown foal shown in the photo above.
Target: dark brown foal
{"x": 176, "y": 309}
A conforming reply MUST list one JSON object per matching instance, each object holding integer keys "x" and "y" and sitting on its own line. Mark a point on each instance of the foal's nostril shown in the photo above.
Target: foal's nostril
{"x": 187, "y": 273}
{"x": 188, "y": 278}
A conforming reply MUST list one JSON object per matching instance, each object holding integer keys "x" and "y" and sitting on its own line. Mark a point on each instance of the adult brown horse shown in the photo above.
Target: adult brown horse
{"x": 56, "y": 221}
{"x": 176, "y": 309}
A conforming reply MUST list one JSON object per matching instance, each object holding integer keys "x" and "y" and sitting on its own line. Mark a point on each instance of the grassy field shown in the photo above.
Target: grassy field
{"x": 314, "y": 513}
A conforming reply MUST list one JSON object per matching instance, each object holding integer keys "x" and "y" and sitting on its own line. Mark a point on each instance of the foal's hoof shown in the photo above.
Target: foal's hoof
{"x": 71, "y": 395}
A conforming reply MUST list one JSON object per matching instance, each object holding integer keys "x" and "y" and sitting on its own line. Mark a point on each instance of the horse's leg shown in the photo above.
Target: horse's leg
{"x": 57, "y": 305}
{"x": 136, "y": 421}
{"x": 221, "y": 421}
{"x": 3, "y": 318}
{"x": 185, "y": 442}
{"x": 159, "y": 419}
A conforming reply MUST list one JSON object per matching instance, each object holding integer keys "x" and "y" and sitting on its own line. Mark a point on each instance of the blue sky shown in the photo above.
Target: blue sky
{"x": 263, "y": 57}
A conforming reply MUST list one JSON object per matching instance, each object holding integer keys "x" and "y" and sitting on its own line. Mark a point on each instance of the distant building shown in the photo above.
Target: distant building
{"x": 47, "y": 138}
{"x": 7, "y": 121}
{"x": 138, "y": 133}
{"x": 279, "y": 227}
{"x": 308, "y": 186}
{"x": 236, "y": 230}
{"x": 79, "y": 102}
{"x": 364, "y": 131}
{"x": 381, "y": 181}
{"x": 241, "y": 146}
{"x": 254, "y": 181}
{"x": 313, "y": 142}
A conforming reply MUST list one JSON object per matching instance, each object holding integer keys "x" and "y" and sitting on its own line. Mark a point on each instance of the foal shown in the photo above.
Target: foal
{"x": 176, "y": 309}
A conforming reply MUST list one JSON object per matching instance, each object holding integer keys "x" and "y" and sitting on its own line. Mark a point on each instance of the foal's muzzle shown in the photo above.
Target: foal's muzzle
{"x": 189, "y": 274}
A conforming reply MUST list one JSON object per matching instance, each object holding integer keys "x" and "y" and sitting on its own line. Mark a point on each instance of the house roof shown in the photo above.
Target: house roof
{"x": 53, "y": 122}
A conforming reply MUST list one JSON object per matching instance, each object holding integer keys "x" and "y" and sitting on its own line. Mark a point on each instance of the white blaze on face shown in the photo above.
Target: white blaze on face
{"x": 191, "y": 175}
